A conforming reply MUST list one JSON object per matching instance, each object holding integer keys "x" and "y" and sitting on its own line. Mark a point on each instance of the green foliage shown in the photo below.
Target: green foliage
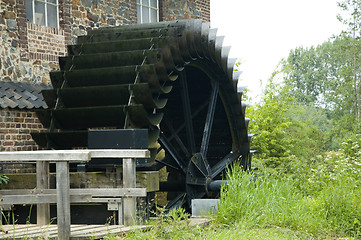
{"x": 172, "y": 225}
{"x": 306, "y": 201}
{"x": 326, "y": 81}
{"x": 282, "y": 126}
{"x": 313, "y": 198}
{"x": 263, "y": 202}
{"x": 351, "y": 17}
{"x": 4, "y": 179}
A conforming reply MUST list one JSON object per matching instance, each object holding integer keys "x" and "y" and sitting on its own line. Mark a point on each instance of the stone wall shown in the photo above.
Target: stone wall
{"x": 19, "y": 59}
{"x": 29, "y": 52}
{"x": 90, "y": 14}
{"x": 184, "y": 9}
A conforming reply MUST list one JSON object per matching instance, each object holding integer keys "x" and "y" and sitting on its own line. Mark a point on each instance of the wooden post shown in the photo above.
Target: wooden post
{"x": 129, "y": 181}
{"x": 42, "y": 182}
{"x": 63, "y": 200}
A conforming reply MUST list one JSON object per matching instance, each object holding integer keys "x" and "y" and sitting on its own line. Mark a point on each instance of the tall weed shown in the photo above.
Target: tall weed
{"x": 265, "y": 202}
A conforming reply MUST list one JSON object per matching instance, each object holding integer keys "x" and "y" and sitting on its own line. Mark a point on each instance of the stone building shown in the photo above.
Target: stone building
{"x": 35, "y": 33}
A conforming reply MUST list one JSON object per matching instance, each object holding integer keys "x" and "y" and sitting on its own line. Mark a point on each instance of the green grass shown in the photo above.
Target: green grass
{"x": 307, "y": 199}
{"x": 216, "y": 230}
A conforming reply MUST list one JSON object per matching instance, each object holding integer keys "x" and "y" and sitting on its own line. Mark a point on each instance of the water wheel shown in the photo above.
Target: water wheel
{"x": 174, "y": 79}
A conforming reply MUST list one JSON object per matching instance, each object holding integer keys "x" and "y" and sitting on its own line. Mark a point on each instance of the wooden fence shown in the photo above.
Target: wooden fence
{"x": 63, "y": 195}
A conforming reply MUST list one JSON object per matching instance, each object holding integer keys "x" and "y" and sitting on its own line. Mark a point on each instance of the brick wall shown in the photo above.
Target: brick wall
{"x": 45, "y": 43}
{"x": 15, "y": 128}
{"x": 205, "y": 8}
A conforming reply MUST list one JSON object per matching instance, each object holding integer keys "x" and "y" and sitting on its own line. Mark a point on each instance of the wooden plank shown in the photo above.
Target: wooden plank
{"x": 94, "y": 192}
{"x": 105, "y": 200}
{"x": 111, "y": 192}
{"x": 72, "y": 155}
{"x": 119, "y": 153}
{"x": 145, "y": 179}
{"x": 30, "y": 231}
{"x": 100, "y": 232}
{"x": 115, "y": 230}
{"x": 42, "y": 182}
{"x": 63, "y": 200}
{"x": 42, "y": 199}
{"x": 45, "y": 155}
{"x": 89, "y": 230}
{"x": 129, "y": 181}
{"x": 76, "y": 229}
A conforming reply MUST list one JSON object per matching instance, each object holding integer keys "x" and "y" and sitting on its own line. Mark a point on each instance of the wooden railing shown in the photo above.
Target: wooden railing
{"x": 63, "y": 195}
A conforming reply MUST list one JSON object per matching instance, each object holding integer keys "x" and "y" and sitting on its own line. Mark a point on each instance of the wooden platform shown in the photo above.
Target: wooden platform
{"x": 26, "y": 231}
{"x": 32, "y": 231}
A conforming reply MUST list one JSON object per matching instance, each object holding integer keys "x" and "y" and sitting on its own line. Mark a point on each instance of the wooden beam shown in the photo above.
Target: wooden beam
{"x": 45, "y": 155}
{"x": 94, "y": 192}
{"x": 145, "y": 179}
{"x": 42, "y": 182}
{"x": 42, "y": 198}
{"x": 119, "y": 153}
{"x": 63, "y": 200}
{"x": 72, "y": 155}
{"x": 129, "y": 181}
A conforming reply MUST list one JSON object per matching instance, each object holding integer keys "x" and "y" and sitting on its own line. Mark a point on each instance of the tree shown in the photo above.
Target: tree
{"x": 352, "y": 19}
{"x": 281, "y": 127}
{"x": 323, "y": 78}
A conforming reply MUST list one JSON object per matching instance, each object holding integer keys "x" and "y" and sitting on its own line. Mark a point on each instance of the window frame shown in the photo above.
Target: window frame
{"x": 149, "y": 8}
{"x": 46, "y": 3}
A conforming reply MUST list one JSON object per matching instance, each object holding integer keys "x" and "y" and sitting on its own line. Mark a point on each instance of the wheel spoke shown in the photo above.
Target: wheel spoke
{"x": 197, "y": 181}
{"x": 177, "y": 138}
{"x": 200, "y": 163}
{"x": 170, "y": 149}
{"x": 209, "y": 118}
{"x": 187, "y": 112}
{"x": 164, "y": 162}
{"x": 194, "y": 114}
{"x": 177, "y": 202}
{"x": 221, "y": 165}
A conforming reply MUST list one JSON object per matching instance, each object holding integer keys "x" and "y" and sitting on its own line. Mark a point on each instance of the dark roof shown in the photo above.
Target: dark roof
{"x": 22, "y": 95}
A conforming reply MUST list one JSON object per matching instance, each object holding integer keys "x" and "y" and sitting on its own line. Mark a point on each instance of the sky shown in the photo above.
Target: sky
{"x": 262, "y": 32}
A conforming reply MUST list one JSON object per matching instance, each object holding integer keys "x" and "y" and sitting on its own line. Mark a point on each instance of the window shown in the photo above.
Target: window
{"x": 43, "y": 12}
{"x": 147, "y": 11}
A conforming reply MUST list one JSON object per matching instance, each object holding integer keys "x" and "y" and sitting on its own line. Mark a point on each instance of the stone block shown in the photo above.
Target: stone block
{"x": 9, "y": 2}
{"x": 204, "y": 207}
{"x": 92, "y": 17}
{"x": 9, "y": 15}
{"x": 111, "y": 21}
{"x": 11, "y": 24}
{"x": 87, "y": 3}
{"x": 2, "y": 20}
